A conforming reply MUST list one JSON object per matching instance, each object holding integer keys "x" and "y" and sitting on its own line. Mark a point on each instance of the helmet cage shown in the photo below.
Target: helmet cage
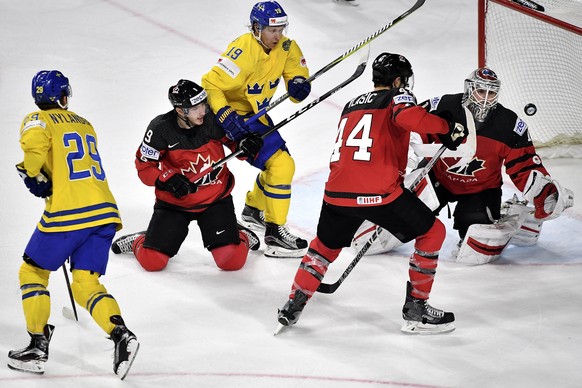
{"x": 482, "y": 92}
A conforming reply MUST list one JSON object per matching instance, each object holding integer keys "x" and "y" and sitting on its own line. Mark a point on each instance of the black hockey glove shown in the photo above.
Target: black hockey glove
{"x": 457, "y": 132}
{"x": 175, "y": 183}
{"x": 41, "y": 186}
{"x": 251, "y": 145}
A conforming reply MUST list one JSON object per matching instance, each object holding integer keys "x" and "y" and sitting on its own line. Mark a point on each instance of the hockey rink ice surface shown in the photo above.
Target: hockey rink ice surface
{"x": 517, "y": 320}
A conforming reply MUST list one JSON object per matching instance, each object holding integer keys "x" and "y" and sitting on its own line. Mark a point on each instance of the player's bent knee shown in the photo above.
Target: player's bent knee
{"x": 84, "y": 285}
{"x": 432, "y": 240}
{"x": 230, "y": 257}
{"x": 29, "y": 274}
{"x": 151, "y": 259}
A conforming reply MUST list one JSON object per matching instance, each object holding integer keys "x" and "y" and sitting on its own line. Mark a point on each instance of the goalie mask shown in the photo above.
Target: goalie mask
{"x": 481, "y": 92}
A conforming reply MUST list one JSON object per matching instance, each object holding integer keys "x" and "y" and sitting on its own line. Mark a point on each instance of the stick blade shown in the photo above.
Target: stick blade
{"x": 69, "y": 314}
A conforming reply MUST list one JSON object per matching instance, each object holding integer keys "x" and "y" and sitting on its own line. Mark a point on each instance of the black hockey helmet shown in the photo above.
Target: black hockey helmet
{"x": 186, "y": 94}
{"x": 387, "y": 67}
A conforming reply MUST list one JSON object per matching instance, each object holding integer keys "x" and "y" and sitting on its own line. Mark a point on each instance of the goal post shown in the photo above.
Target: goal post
{"x": 538, "y": 57}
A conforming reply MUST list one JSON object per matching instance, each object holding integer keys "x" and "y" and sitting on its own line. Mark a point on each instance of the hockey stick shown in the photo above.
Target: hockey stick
{"x": 67, "y": 313}
{"x": 359, "y": 70}
{"x": 339, "y": 59}
{"x": 326, "y": 288}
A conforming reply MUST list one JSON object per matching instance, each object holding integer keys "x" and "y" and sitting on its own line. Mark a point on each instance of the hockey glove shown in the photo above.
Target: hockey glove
{"x": 175, "y": 183}
{"x": 41, "y": 186}
{"x": 454, "y": 138}
{"x": 545, "y": 202}
{"x": 232, "y": 123}
{"x": 298, "y": 88}
{"x": 251, "y": 145}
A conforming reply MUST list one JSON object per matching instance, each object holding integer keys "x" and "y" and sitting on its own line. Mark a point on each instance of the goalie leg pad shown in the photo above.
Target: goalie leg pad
{"x": 484, "y": 243}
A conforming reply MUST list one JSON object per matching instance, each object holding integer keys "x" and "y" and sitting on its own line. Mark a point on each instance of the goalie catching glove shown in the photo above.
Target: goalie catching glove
{"x": 548, "y": 197}
{"x": 177, "y": 184}
{"x": 40, "y": 185}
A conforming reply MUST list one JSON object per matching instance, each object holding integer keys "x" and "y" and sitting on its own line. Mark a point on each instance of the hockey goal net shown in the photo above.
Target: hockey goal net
{"x": 538, "y": 57}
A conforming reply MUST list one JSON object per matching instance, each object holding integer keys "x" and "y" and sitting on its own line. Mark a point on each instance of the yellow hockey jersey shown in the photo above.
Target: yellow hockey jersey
{"x": 246, "y": 78}
{"x": 64, "y": 145}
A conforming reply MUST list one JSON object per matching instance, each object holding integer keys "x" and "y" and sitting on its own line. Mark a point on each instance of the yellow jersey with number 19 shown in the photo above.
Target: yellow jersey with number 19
{"x": 64, "y": 145}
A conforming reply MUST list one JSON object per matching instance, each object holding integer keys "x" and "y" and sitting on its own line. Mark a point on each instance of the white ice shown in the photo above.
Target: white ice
{"x": 517, "y": 319}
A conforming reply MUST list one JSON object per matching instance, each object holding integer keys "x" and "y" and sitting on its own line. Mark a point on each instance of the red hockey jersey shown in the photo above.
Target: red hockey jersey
{"x": 167, "y": 146}
{"x": 369, "y": 159}
{"x": 503, "y": 140}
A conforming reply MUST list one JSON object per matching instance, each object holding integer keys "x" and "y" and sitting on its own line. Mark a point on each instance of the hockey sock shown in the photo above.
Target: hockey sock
{"x": 93, "y": 296}
{"x": 231, "y": 257}
{"x": 36, "y": 300}
{"x": 423, "y": 262}
{"x": 150, "y": 259}
{"x": 313, "y": 267}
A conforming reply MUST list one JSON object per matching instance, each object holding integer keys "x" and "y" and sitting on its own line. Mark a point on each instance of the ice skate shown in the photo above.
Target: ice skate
{"x": 254, "y": 242}
{"x": 33, "y": 357}
{"x": 280, "y": 243}
{"x": 422, "y": 318}
{"x": 290, "y": 313}
{"x": 254, "y": 219}
{"x": 124, "y": 243}
{"x": 126, "y": 347}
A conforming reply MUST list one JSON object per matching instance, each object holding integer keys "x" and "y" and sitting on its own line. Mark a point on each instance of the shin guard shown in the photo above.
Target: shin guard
{"x": 423, "y": 262}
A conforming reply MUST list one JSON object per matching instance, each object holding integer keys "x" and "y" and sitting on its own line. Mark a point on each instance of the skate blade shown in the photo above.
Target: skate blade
{"x": 282, "y": 253}
{"x": 415, "y": 327}
{"x": 125, "y": 366}
{"x": 33, "y": 366}
{"x": 279, "y": 328}
{"x": 257, "y": 228}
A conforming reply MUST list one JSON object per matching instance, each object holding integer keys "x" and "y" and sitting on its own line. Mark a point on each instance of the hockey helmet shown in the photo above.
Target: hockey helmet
{"x": 387, "y": 67}
{"x": 481, "y": 92}
{"x": 186, "y": 94}
{"x": 268, "y": 14}
{"x": 49, "y": 86}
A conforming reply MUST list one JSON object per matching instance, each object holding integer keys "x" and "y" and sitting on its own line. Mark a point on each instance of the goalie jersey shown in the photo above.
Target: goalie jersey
{"x": 368, "y": 163}
{"x": 502, "y": 140}
{"x": 64, "y": 145}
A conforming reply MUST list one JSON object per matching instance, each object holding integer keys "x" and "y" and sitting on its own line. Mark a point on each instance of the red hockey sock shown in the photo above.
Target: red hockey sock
{"x": 423, "y": 262}
{"x": 231, "y": 257}
{"x": 149, "y": 259}
{"x": 313, "y": 267}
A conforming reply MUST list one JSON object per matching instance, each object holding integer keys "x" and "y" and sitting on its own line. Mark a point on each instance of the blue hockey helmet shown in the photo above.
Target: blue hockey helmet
{"x": 268, "y": 14}
{"x": 49, "y": 86}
